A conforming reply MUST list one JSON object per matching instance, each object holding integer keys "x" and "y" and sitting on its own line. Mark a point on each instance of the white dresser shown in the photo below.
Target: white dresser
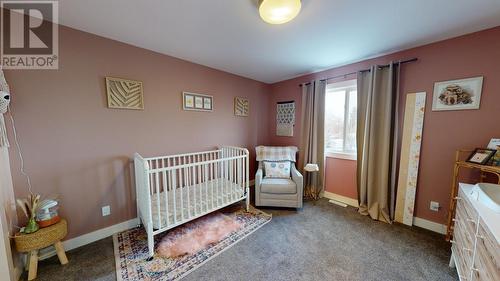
{"x": 476, "y": 238}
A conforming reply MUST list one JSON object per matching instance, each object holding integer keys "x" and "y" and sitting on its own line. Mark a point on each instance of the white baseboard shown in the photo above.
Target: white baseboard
{"x": 338, "y": 203}
{"x": 99, "y": 234}
{"x": 340, "y": 198}
{"x": 429, "y": 225}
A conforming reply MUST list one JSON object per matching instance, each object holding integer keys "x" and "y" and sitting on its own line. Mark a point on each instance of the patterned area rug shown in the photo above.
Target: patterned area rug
{"x": 131, "y": 250}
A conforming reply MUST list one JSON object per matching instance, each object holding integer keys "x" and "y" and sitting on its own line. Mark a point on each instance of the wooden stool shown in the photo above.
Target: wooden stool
{"x": 31, "y": 243}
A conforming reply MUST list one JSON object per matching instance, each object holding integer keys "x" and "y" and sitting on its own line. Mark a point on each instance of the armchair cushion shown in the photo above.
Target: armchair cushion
{"x": 279, "y": 169}
{"x": 278, "y": 186}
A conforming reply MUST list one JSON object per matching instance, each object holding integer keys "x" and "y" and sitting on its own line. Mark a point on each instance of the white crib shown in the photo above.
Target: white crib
{"x": 172, "y": 190}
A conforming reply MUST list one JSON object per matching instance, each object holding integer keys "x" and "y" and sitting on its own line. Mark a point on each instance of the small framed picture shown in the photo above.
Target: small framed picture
{"x": 459, "y": 94}
{"x": 481, "y": 156}
{"x": 188, "y": 101}
{"x": 207, "y": 103}
{"x": 197, "y": 102}
{"x": 494, "y": 144}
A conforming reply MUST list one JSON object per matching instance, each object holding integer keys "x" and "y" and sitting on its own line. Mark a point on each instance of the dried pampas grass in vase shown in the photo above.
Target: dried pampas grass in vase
{"x": 29, "y": 207}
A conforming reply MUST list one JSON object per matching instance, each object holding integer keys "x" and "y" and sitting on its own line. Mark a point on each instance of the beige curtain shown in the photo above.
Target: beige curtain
{"x": 313, "y": 140}
{"x": 377, "y": 141}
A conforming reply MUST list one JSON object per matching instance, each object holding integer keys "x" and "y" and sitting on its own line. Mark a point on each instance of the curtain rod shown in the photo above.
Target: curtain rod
{"x": 364, "y": 70}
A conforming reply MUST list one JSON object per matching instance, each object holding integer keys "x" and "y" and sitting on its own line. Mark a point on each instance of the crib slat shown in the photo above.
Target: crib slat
{"x": 202, "y": 184}
{"x": 223, "y": 181}
{"x": 215, "y": 176}
{"x": 182, "y": 179}
{"x": 242, "y": 175}
{"x": 205, "y": 173}
{"x": 218, "y": 185}
{"x": 198, "y": 185}
{"x": 158, "y": 200}
{"x": 231, "y": 170}
{"x": 229, "y": 176}
{"x": 228, "y": 180}
{"x": 174, "y": 188}
{"x": 238, "y": 177}
{"x": 212, "y": 178}
{"x": 165, "y": 193}
{"x": 226, "y": 176}
{"x": 186, "y": 190}
{"x": 192, "y": 186}
{"x": 192, "y": 204}
{"x": 235, "y": 175}
{"x": 207, "y": 178}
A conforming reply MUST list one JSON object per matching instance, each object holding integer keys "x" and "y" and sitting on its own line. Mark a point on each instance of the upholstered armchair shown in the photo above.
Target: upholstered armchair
{"x": 282, "y": 191}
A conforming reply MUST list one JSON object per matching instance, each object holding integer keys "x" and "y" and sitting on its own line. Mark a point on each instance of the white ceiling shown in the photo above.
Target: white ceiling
{"x": 229, "y": 35}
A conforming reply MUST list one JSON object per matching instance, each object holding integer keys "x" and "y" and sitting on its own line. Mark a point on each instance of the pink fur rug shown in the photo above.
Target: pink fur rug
{"x": 197, "y": 235}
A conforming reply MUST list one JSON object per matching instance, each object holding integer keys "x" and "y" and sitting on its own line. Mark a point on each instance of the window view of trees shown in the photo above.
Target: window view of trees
{"x": 340, "y": 118}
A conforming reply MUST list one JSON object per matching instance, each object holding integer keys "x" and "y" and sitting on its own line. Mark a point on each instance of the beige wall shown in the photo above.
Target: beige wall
{"x": 76, "y": 147}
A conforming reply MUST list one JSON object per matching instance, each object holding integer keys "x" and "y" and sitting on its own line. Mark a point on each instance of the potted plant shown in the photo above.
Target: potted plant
{"x": 29, "y": 207}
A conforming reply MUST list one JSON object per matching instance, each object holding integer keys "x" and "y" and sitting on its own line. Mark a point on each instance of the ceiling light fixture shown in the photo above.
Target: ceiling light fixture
{"x": 279, "y": 11}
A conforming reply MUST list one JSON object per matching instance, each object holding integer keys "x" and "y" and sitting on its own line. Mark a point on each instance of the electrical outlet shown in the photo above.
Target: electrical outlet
{"x": 106, "y": 211}
{"x": 434, "y": 206}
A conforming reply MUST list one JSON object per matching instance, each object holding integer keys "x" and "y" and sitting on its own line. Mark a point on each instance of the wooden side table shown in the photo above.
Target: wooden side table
{"x": 31, "y": 243}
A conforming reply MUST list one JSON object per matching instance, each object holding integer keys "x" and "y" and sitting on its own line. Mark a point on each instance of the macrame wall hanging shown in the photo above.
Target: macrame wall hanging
{"x": 4, "y": 106}
{"x": 285, "y": 118}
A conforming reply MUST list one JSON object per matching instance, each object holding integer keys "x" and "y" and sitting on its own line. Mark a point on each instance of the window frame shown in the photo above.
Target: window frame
{"x": 347, "y": 86}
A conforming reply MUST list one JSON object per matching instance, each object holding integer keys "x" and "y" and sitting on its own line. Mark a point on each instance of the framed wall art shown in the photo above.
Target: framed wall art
{"x": 481, "y": 155}
{"x": 241, "y": 106}
{"x": 457, "y": 94}
{"x": 285, "y": 118}
{"x": 124, "y": 93}
{"x": 197, "y": 102}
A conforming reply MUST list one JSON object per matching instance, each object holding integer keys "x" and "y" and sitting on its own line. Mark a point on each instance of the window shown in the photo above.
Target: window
{"x": 340, "y": 119}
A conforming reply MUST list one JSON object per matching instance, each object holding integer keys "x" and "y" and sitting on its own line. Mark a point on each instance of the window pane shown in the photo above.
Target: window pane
{"x": 334, "y": 120}
{"x": 350, "y": 139}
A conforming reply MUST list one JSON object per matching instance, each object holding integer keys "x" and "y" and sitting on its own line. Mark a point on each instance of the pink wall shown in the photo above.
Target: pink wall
{"x": 76, "y": 147}
{"x": 340, "y": 177}
{"x": 476, "y": 54}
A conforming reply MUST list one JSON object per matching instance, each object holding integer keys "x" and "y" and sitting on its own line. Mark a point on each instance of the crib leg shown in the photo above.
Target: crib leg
{"x": 151, "y": 246}
{"x": 248, "y": 200}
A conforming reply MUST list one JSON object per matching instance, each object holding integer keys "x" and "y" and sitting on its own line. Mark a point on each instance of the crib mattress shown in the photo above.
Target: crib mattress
{"x": 196, "y": 199}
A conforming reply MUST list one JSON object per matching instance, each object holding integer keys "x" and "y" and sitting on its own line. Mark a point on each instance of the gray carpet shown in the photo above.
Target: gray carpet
{"x": 320, "y": 242}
